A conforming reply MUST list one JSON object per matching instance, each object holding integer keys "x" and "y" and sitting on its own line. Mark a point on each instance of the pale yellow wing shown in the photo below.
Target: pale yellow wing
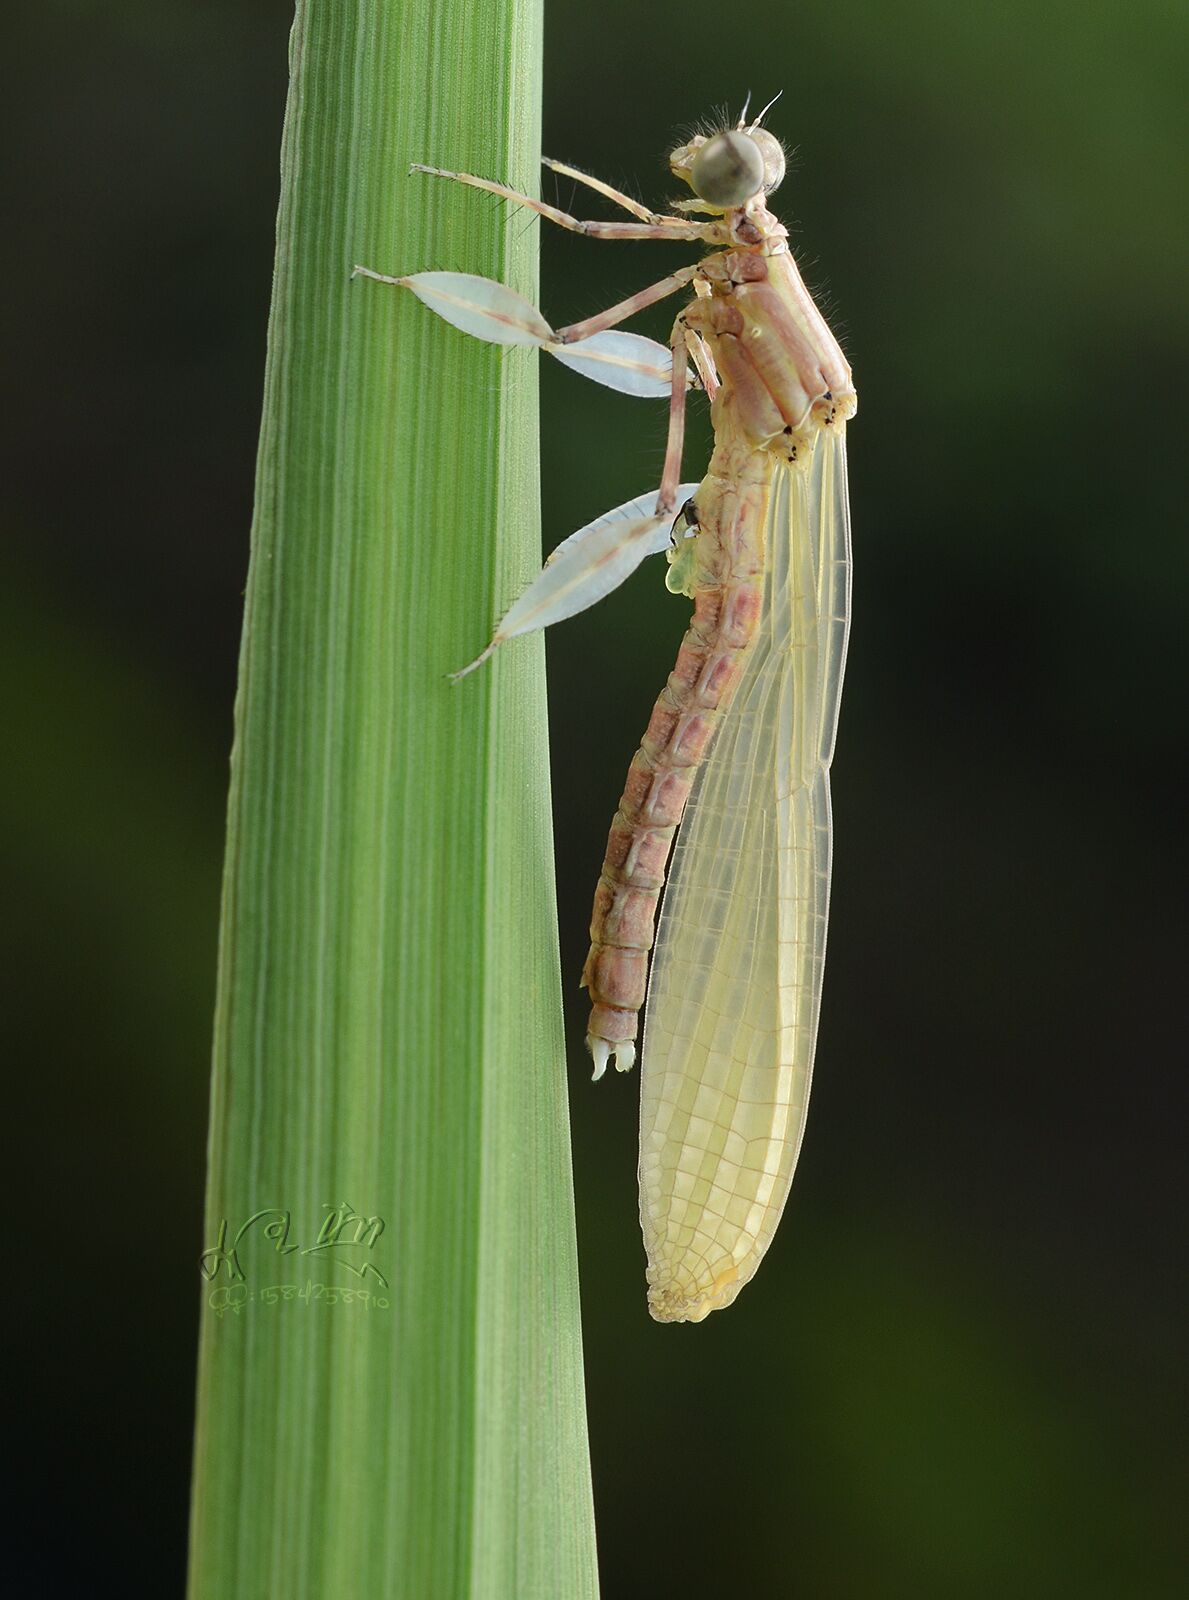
{"x": 731, "y": 1017}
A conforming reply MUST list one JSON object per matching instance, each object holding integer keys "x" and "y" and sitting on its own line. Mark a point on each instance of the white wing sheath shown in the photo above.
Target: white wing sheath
{"x": 732, "y": 1012}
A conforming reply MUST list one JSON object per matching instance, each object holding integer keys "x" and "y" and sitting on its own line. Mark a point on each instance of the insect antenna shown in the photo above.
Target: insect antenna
{"x": 765, "y": 111}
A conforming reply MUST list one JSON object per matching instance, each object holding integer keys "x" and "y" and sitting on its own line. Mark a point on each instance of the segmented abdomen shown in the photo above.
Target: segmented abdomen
{"x": 727, "y": 591}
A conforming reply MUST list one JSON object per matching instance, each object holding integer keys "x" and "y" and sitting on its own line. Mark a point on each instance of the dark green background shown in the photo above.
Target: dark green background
{"x": 956, "y": 1374}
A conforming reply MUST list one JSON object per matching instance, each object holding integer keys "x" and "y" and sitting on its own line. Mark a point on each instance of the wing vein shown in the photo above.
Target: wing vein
{"x": 731, "y": 1018}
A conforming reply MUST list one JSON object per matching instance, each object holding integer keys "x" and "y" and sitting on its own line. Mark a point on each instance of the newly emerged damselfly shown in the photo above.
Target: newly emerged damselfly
{"x": 739, "y": 745}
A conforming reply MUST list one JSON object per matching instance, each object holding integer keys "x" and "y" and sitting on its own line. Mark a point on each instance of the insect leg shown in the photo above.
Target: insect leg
{"x": 627, "y": 308}
{"x": 703, "y": 358}
{"x": 616, "y": 196}
{"x": 679, "y": 344}
{"x": 710, "y": 232}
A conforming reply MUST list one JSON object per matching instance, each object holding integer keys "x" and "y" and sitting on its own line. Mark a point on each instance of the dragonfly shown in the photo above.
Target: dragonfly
{"x": 738, "y": 748}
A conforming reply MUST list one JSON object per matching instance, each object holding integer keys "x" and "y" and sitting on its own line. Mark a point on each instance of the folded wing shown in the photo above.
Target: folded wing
{"x": 731, "y": 1018}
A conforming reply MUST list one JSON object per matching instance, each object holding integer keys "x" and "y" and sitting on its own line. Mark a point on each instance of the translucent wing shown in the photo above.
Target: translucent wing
{"x": 625, "y": 361}
{"x": 732, "y": 1011}
{"x": 587, "y": 566}
{"x": 491, "y": 311}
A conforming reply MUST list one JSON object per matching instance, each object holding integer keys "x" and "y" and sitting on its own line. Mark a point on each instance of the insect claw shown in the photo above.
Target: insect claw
{"x": 376, "y": 277}
{"x": 483, "y": 656}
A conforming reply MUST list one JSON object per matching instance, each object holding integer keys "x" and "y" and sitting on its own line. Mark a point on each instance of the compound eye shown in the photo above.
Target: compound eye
{"x": 772, "y": 151}
{"x": 728, "y": 170}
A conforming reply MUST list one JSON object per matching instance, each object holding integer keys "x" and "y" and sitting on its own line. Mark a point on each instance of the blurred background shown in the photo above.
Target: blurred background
{"x": 957, "y": 1374}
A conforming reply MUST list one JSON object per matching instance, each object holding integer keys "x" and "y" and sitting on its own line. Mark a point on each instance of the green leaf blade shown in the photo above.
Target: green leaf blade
{"x": 388, "y": 1031}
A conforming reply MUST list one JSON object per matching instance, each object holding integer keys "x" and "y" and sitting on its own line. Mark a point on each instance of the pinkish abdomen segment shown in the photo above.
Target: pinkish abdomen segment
{"x": 727, "y": 596}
